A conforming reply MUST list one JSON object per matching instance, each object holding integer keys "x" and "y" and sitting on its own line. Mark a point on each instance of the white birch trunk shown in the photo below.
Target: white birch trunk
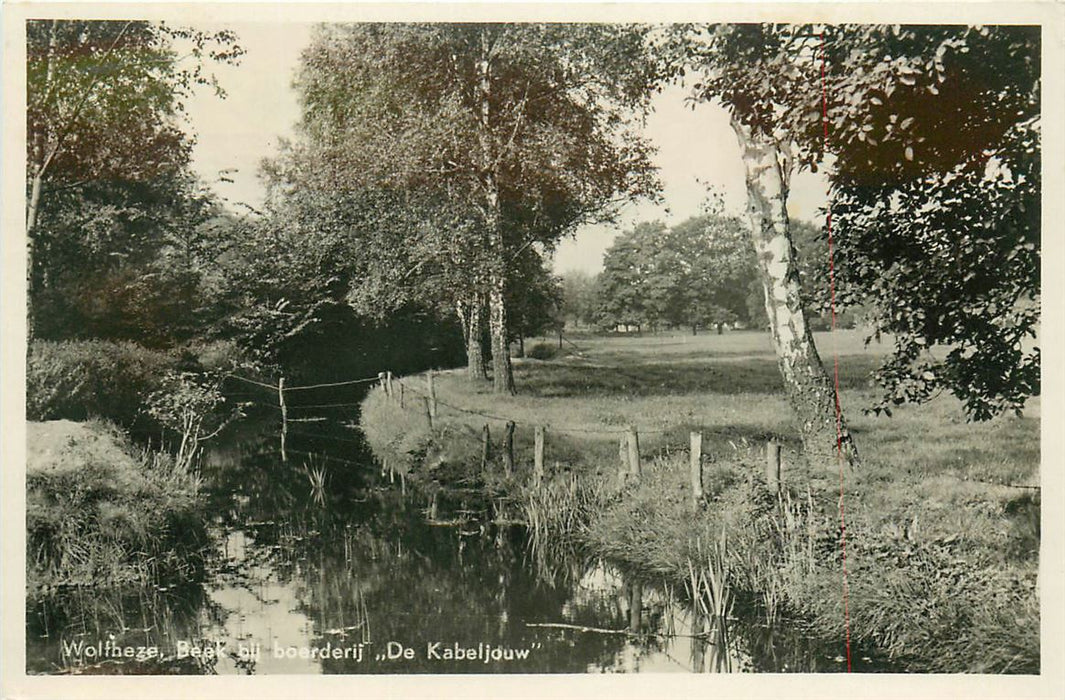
{"x": 502, "y": 374}
{"x": 808, "y": 387}
{"x": 470, "y": 316}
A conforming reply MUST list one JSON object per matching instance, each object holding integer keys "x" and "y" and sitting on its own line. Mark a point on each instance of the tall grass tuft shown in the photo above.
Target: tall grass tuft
{"x": 556, "y": 514}
{"x": 316, "y": 479}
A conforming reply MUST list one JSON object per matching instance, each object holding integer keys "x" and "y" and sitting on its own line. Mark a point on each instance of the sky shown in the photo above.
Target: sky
{"x": 696, "y": 147}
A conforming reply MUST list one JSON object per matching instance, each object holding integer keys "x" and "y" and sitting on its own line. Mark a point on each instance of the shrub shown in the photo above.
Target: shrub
{"x": 397, "y": 436}
{"x": 543, "y": 351}
{"x": 190, "y": 405}
{"x": 217, "y": 355}
{"x": 79, "y": 379}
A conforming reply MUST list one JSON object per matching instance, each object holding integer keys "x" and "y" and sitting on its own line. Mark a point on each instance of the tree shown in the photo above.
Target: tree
{"x": 936, "y": 207}
{"x": 122, "y": 261}
{"x": 104, "y": 148}
{"x": 578, "y": 297}
{"x": 394, "y": 248}
{"x": 875, "y": 97}
{"x": 626, "y": 291}
{"x": 693, "y": 274}
{"x": 534, "y": 298}
{"x": 525, "y": 124}
{"x": 711, "y": 263}
{"x": 768, "y": 77}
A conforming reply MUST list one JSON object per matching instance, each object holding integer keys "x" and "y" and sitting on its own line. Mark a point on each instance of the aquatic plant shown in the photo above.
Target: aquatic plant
{"x": 316, "y": 478}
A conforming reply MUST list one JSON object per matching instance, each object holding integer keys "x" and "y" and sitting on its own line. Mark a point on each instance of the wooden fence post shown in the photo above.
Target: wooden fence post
{"x": 635, "y": 606}
{"x": 634, "y": 452}
{"x": 284, "y": 416}
{"x": 623, "y": 457}
{"x": 402, "y": 392}
{"x": 508, "y": 448}
{"x": 538, "y": 454}
{"x": 772, "y": 465}
{"x": 428, "y": 413}
{"x": 484, "y": 447}
{"x": 388, "y": 384}
{"x": 696, "y": 463}
{"x": 432, "y": 393}
{"x": 383, "y": 382}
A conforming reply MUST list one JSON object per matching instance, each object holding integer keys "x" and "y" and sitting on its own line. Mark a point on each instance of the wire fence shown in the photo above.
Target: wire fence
{"x": 432, "y": 405}
{"x": 386, "y": 378}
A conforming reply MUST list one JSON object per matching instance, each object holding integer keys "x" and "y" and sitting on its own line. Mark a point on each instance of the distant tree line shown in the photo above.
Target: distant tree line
{"x": 699, "y": 274}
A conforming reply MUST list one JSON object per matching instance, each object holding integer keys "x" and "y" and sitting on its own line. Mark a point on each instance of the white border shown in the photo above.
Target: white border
{"x": 15, "y": 684}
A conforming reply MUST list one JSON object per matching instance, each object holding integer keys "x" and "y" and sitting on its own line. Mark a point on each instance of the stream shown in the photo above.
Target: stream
{"x": 324, "y": 566}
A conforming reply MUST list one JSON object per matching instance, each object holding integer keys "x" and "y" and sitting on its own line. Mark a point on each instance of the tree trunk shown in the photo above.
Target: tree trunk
{"x": 809, "y": 389}
{"x": 470, "y": 316}
{"x": 39, "y": 165}
{"x": 521, "y": 345}
{"x": 502, "y": 374}
{"x": 31, "y": 274}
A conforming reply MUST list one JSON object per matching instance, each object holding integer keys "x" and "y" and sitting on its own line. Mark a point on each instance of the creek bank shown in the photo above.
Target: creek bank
{"x": 101, "y": 512}
{"x": 921, "y": 602}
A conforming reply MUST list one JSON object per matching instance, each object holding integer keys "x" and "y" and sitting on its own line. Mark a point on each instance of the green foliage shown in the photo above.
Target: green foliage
{"x": 115, "y": 218}
{"x": 398, "y": 436}
{"x": 543, "y": 351}
{"x": 939, "y": 224}
{"x": 533, "y": 296}
{"x": 80, "y": 379}
{"x": 694, "y": 274}
{"x": 127, "y": 261}
{"x": 400, "y": 104}
{"x": 99, "y": 513}
{"x": 77, "y": 380}
{"x": 934, "y": 133}
{"x": 440, "y": 180}
{"x": 579, "y": 297}
{"x": 189, "y": 404}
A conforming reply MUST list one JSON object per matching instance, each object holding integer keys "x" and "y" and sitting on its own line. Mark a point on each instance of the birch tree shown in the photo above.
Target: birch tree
{"x": 930, "y": 137}
{"x": 768, "y": 77}
{"x": 528, "y": 125}
{"x": 103, "y": 105}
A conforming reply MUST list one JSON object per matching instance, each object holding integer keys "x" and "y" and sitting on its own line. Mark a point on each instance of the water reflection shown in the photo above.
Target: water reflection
{"x": 349, "y": 577}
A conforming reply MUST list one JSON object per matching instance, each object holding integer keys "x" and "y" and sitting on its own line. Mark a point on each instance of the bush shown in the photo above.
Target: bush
{"x": 397, "y": 436}
{"x": 543, "y": 351}
{"x": 79, "y": 379}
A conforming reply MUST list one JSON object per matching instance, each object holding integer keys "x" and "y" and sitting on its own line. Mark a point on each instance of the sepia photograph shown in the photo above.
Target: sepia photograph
{"x": 473, "y": 343}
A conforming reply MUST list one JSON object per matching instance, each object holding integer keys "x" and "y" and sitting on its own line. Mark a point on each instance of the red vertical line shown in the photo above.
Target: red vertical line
{"x": 835, "y": 363}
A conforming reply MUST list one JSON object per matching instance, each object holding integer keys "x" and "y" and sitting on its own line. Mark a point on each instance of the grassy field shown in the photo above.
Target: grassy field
{"x": 942, "y": 540}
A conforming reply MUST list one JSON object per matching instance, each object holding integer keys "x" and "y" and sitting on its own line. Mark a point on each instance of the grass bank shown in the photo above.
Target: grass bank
{"x": 941, "y": 540}
{"x": 101, "y": 512}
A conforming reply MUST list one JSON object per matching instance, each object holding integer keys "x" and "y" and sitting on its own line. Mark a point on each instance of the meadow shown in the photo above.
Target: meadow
{"x": 941, "y": 519}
